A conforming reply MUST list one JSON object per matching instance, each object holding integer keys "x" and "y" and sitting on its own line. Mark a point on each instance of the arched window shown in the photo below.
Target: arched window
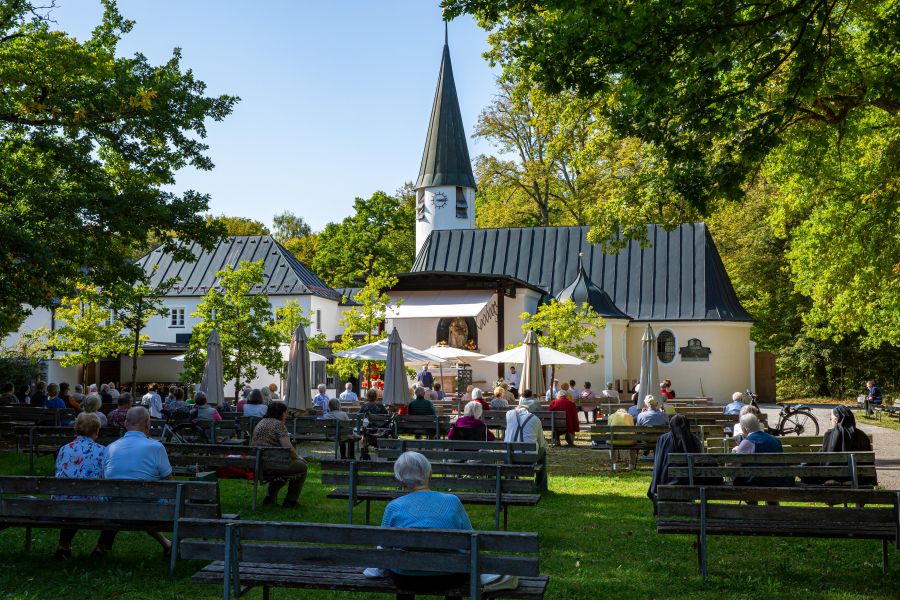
{"x": 665, "y": 346}
{"x": 462, "y": 207}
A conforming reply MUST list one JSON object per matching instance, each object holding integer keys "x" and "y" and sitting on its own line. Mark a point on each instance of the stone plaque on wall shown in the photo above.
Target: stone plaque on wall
{"x": 694, "y": 351}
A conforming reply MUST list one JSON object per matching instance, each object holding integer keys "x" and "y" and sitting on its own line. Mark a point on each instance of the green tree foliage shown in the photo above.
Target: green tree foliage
{"x": 133, "y": 307}
{"x": 288, "y": 318}
{"x": 566, "y": 327}
{"x": 305, "y": 248}
{"x": 239, "y": 225}
{"x": 21, "y": 363}
{"x": 287, "y": 225}
{"x": 90, "y": 142}
{"x": 245, "y": 323}
{"x": 363, "y": 323}
{"x": 376, "y": 238}
{"x": 87, "y": 331}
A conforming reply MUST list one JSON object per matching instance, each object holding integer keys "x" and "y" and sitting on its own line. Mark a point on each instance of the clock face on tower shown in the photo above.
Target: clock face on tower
{"x": 439, "y": 200}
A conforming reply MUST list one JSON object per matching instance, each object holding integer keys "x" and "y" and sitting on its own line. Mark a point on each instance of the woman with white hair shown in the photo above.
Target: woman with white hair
{"x": 470, "y": 426}
{"x": 422, "y": 508}
{"x": 737, "y": 403}
{"x": 92, "y": 405}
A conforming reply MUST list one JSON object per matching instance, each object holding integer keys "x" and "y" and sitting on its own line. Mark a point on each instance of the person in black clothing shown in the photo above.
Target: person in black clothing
{"x": 679, "y": 440}
{"x": 372, "y": 405}
{"x": 40, "y": 394}
{"x": 22, "y": 395}
{"x": 421, "y": 406}
{"x": 843, "y": 437}
{"x": 873, "y": 397}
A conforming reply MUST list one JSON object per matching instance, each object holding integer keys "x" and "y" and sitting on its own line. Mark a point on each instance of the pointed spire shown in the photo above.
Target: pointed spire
{"x": 445, "y": 160}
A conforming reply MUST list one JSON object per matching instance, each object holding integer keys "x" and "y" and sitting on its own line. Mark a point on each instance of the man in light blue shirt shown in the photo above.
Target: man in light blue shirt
{"x": 135, "y": 456}
{"x": 737, "y": 403}
{"x": 348, "y": 395}
{"x": 652, "y": 416}
{"x": 321, "y": 400}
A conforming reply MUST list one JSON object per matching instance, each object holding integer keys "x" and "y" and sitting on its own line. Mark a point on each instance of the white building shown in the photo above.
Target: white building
{"x": 469, "y": 286}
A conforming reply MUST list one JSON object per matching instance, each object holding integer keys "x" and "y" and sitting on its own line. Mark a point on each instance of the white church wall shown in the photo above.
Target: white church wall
{"x": 444, "y": 217}
{"x": 39, "y": 317}
{"x": 728, "y": 368}
{"x": 328, "y": 316}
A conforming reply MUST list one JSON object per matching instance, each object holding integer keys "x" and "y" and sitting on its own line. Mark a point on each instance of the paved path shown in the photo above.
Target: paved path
{"x": 886, "y": 444}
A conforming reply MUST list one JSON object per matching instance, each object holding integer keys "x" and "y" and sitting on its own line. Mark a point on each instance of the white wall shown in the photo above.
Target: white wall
{"x": 39, "y": 317}
{"x": 726, "y": 372}
{"x": 331, "y": 316}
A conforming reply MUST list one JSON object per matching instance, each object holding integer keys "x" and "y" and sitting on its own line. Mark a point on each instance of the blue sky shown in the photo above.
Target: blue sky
{"x": 335, "y": 96}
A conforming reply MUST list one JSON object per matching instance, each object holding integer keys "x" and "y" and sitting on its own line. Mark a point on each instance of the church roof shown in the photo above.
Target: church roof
{"x": 582, "y": 290}
{"x": 284, "y": 274}
{"x": 445, "y": 160}
{"x": 678, "y": 276}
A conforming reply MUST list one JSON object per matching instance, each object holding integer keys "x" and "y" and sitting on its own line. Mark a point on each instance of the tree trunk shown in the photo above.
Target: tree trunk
{"x": 134, "y": 361}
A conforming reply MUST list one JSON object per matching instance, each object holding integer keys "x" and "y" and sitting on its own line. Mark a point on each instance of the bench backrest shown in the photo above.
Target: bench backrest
{"x": 459, "y": 450}
{"x": 820, "y": 508}
{"x": 122, "y": 501}
{"x": 550, "y": 420}
{"x": 445, "y": 476}
{"x": 853, "y": 465}
{"x": 316, "y": 427}
{"x": 37, "y": 414}
{"x": 356, "y": 546}
{"x": 42, "y": 437}
{"x": 206, "y": 456}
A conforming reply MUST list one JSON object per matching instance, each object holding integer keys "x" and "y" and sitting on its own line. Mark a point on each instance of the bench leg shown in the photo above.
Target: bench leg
{"x": 505, "y": 518}
{"x": 266, "y": 593}
{"x": 884, "y": 557}
{"x": 368, "y": 511}
{"x": 27, "y": 540}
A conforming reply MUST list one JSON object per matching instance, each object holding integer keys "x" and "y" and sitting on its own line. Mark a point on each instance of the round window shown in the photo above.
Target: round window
{"x": 665, "y": 346}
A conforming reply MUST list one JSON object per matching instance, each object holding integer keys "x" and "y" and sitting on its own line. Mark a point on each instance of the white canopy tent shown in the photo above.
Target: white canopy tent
{"x": 548, "y": 356}
{"x": 379, "y": 351}
{"x": 437, "y": 304}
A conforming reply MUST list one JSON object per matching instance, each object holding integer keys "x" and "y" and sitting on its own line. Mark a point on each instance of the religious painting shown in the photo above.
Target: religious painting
{"x": 458, "y": 332}
{"x": 694, "y": 351}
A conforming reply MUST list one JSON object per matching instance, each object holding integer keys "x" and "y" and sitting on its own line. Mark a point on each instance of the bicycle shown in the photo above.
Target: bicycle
{"x": 797, "y": 419}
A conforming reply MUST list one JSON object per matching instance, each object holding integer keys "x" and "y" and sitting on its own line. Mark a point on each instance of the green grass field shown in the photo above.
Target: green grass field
{"x": 597, "y": 541}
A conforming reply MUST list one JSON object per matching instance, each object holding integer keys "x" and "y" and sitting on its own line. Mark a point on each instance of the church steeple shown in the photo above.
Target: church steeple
{"x": 445, "y": 189}
{"x": 445, "y": 160}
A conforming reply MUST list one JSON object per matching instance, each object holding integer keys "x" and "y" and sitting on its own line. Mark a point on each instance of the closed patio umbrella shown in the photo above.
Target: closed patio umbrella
{"x": 297, "y": 385}
{"x": 532, "y": 377}
{"x": 213, "y": 382}
{"x": 649, "y": 369}
{"x": 396, "y": 389}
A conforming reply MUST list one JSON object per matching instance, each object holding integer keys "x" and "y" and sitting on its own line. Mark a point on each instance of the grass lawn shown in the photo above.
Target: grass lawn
{"x": 597, "y": 541}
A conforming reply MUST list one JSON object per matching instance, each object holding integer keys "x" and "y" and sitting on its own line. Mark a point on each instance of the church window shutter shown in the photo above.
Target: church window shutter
{"x": 420, "y": 204}
{"x": 462, "y": 207}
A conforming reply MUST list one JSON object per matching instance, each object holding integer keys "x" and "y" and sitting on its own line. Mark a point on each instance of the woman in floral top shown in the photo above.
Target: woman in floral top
{"x": 82, "y": 458}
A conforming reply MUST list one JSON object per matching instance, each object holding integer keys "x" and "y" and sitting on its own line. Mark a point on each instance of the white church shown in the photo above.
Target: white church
{"x": 468, "y": 286}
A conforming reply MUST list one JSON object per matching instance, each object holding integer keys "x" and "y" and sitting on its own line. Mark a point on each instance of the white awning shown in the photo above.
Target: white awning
{"x": 438, "y": 304}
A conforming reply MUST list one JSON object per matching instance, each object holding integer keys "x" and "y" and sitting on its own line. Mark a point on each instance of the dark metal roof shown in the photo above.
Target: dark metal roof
{"x": 582, "y": 290}
{"x": 445, "y": 160}
{"x": 678, "y": 276}
{"x": 284, "y": 274}
{"x": 348, "y": 295}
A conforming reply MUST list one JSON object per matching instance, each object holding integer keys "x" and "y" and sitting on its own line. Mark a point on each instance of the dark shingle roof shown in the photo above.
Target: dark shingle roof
{"x": 284, "y": 274}
{"x": 582, "y": 290}
{"x": 679, "y": 276}
{"x": 445, "y": 160}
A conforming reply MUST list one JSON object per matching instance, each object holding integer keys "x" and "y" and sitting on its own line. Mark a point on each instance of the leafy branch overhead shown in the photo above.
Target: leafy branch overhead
{"x": 90, "y": 140}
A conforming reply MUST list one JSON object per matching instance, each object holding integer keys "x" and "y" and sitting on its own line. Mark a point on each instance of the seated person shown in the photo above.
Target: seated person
{"x": 757, "y": 441}
{"x": 348, "y": 440}
{"x": 510, "y": 397}
{"x": 372, "y": 405}
{"x": 564, "y": 404}
{"x": 621, "y": 418}
{"x": 470, "y": 426}
{"x": 523, "y": 426}
{"x": 92, "y": 404}
{"x": 255, "y": 406}
{"x": 82, "y": 458}
{"x": 679, "y": 440}
{"x": 587, "y": 402}
{"x": 203, "y": 411}
{"x": 478, "y": 396}
{"x": 421, "y": 406}
{"x": 422, "y": 508}
{"x": 499, "y": 401}
{"x": 467, "y": 397}
{"x": 116, "y": 417}
{"x": 666, "y": 391}
{"x": 320, "y": 400}
{"x": 272, "y": 432}
{"x": 348, "y": 395}
{"x": 737, "y": 403}
{"x": 135, "y": 456}
{"x": 529, "y": 401}
{"x": 651, "y": 416}
{"x": 843, "y": 437}
{"x": 610, "y": 392}
{"x": 439, "y": 392}
{"x": 53, "y": 400}
{"x": 737, "y": 432}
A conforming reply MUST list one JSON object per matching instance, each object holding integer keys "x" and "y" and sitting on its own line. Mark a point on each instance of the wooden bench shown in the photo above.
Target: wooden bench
{"x": 14, "y": 416}
{"x": 194, "y": 459}
{"x": 706, "y": 511}
{"x": 318, "y": 429}
{"x": 248, "y": 554}
{"x": 507, "y": 453}
{"x": 43, "y": 439}
{"x": 434, "y": 427}
{"x": 790, "y": 443}
{"x": 551, "y": 420}
{"x": 31, "y": 502}
{"x": 853, "y": 466}
{"x": 640, "y": 439}
{"x": 497, "y": 485}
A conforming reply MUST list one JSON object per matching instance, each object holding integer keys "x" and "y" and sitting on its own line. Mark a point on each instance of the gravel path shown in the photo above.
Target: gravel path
{"x": 886, "y": 444}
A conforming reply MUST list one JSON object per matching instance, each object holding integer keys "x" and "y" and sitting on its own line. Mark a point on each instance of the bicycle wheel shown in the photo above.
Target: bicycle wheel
{"x": 801, "y": 422}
